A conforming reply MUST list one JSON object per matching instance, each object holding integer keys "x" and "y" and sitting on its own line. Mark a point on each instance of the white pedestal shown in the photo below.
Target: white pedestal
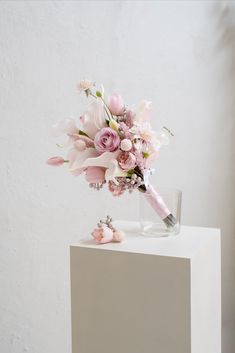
{"x": 148, "y": 295}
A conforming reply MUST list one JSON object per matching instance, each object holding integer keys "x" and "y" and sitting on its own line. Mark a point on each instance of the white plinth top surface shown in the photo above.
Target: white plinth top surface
{"x": 186, "y": 244}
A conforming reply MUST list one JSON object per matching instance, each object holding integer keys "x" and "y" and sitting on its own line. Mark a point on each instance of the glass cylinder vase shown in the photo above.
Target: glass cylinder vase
{"x": 155, "y": 207}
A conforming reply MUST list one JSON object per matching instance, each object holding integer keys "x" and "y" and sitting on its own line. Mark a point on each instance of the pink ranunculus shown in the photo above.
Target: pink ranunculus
{"x": 116, "y": 104}
{"x": 106, "y": 140}
{"x": 95, "y": 174}
{"x": 118, "y": 236}
{"x": 102, "y": 235}
{"x": 127, "y": 160}
{"x": 55, "y": 161}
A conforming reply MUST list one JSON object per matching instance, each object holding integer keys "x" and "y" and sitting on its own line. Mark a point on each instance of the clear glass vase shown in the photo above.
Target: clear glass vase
{"x": 157, "y": 208}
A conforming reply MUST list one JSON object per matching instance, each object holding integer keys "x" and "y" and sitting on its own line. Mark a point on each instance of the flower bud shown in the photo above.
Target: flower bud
{"x": 126, "y": 145}
{"x": 113, "y": 124}
{"x": 55, "y": 161}
{"x": 115, "y": 104}
{"x": 80, "y": 145}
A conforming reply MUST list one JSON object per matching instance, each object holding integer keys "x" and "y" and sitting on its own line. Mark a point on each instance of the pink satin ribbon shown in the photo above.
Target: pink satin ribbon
{"x": 157, "y": 202}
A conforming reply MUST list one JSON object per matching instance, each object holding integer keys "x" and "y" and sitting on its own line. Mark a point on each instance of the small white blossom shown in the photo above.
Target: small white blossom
{"x": 84, "y": 85}
{"x": 126, "y": 145}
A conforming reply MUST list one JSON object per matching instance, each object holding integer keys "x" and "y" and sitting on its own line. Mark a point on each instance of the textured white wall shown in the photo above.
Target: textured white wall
{"x": 181, "y": 56}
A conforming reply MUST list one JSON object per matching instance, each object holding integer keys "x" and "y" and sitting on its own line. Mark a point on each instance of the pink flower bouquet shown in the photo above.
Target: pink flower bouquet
{"x": 114, "y": 145}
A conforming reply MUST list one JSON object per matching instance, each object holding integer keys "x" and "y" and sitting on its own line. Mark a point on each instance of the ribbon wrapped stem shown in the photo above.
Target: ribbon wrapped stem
{"x": 158, "y": 204}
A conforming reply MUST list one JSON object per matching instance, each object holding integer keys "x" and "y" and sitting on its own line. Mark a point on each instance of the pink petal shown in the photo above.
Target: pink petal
{"x": 95, "y": 174}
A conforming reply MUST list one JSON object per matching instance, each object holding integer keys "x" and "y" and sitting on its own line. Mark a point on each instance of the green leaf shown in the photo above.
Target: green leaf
{"x": 145, "y": 154}
{"x": 130, "y": 172}
{"x": 80, "y": 132}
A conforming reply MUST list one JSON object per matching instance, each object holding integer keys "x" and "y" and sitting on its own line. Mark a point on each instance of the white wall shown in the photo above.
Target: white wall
{"x": 181, "y": 56}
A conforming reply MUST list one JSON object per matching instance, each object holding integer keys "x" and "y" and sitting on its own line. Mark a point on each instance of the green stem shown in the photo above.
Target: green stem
{"x": 91, "y": 94}
{"x": 106, "y": 108}
{"x": 106, "y": 111}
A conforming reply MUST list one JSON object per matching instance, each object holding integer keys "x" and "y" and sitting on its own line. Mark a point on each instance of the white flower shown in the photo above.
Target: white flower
{"x": 163, "y": 138}
{"x": 142, "y": 111}
{"x": 144, "y": 137}
{"x": 94, "y": 118}
{"x": 107, "y": 160}
{"x": 84, "y": 85}
{"x": 126, "y": 145}
{"x": 77, "y": 158}
{"x": 143, "y": 131}
{"x": 67, "y": 126}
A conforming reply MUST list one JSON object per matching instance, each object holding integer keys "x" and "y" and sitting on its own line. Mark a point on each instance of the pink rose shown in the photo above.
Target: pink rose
{"x": 127, "y": 160}
{"x": 106, "y": 140}
{"x": 102, "y": 235}
{"x": 115, "y": 104}
{"x": 55, "y": 161}
{"x": 95, "y": 174}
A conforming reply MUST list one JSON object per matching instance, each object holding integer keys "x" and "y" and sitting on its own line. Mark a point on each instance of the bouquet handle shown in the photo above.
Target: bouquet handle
{"x": 158, "y": 204}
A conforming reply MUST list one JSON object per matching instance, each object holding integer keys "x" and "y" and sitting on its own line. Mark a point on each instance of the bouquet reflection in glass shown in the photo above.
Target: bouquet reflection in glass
{"x": 115, "y": 144}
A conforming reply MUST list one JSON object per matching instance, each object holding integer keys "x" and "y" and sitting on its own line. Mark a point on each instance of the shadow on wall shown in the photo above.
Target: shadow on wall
{"x": 223, "y": 15}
